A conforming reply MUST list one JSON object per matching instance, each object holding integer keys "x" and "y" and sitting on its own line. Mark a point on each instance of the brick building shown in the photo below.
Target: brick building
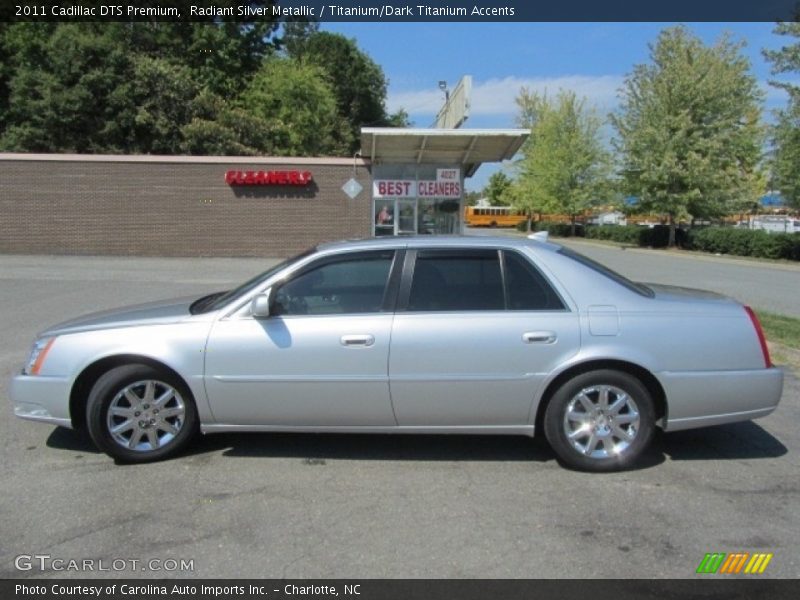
{"x": 409, "y": 181}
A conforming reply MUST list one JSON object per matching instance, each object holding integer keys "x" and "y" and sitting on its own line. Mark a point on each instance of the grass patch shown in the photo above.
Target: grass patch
{"x": 780, "y": 328}
{"x": 783, "y": 336}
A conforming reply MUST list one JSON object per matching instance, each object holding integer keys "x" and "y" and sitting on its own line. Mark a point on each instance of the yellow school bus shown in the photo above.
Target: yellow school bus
{"x": 492, "y": 216}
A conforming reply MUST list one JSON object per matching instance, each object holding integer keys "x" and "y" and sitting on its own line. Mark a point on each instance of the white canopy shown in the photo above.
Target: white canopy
{"x": 467, "y": 148}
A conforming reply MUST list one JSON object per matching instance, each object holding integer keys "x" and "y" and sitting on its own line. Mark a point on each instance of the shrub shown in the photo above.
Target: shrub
{"x": 559, "y": 229}
{"x": 717, "y": 240}
{"x": 747, "y": 242}
{"x": 772, "y": 246}
{"x": 794, "y": 246}
{"x": 658, "y": 236}
{"x": 624, "y": 234}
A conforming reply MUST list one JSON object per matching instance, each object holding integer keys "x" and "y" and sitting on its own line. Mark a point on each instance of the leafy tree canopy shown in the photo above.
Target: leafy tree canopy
{"x": 497, "y": 189}
{"x": 217, "y": 87}
{"x": 296, "y": 100}
{"x": 787, "y": 59}
{"x": 565, "y": 167}
{"x": 786, "y": 132}
{"x": 357, "y": 81}
{"x": 689, "y": 128}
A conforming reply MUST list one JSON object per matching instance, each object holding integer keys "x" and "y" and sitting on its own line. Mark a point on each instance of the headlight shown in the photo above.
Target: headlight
{"x": 38, "y": 353}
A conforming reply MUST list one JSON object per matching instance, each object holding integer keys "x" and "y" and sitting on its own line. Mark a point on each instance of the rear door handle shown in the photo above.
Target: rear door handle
{"x": 539, "y": 337}
{"x": 357, "y": 340}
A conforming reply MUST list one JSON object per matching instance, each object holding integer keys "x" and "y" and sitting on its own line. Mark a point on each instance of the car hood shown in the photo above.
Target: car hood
{"x": 151, "y": 313}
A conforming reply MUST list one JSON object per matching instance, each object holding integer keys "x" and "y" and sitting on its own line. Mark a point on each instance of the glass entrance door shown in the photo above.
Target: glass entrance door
{"x": 395, "y": 217}
{"x": 407, "y": 217}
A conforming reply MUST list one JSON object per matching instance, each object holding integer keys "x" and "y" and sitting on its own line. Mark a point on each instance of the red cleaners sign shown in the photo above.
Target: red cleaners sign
{"x": 268, "y": 177}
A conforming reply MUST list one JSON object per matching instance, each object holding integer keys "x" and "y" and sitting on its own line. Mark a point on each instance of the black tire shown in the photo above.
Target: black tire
{"x": 108, "y": 389}
{"x": 620, "y": 454}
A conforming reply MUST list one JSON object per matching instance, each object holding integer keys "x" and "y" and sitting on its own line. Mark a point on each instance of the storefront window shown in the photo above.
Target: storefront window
{"x": 417, "y": 199}
{"x": 439, "y": 216}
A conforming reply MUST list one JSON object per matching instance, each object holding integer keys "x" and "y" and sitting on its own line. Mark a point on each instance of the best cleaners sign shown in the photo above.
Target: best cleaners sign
{"x": 446, "y": 185}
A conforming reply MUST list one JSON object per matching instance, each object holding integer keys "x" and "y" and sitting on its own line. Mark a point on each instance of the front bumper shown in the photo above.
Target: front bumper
{"x": 703, "y": 398}
{"x": 43, "y": 399}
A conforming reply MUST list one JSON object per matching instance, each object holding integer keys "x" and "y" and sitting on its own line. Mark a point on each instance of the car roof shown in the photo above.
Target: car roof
{"x": 445, "y": 241}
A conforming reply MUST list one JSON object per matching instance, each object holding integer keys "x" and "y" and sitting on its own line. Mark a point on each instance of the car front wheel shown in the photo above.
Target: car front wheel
{"x": 600, "y": 421}
{"x": 136, "y": 413}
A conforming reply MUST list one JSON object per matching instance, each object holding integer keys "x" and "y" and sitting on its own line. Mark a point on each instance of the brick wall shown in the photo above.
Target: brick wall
{"x": 174, "y": 207}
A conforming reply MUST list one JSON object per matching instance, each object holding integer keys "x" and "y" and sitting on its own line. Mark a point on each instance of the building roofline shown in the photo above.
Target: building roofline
{"x": 431, "y": 132}
{"x": 153, "y": 158}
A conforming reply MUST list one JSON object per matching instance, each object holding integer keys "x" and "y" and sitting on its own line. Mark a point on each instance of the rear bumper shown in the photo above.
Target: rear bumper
{"x": 700, "y": 399}
{"x": 43, "y": 399}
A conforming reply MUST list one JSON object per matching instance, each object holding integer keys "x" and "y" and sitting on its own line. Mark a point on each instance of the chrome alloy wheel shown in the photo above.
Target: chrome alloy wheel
{"x": 146, "y": 415}
{"x": 601, "y": 421}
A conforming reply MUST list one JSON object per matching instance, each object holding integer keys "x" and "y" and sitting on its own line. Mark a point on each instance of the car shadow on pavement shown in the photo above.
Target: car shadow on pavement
{"x": 68, "y": 439}
{"x": 322, "y": 446}
{"x": 745, "y": 440}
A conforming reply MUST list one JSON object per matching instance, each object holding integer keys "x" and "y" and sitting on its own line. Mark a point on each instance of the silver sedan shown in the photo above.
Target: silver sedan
{"x": 410, "y": 335}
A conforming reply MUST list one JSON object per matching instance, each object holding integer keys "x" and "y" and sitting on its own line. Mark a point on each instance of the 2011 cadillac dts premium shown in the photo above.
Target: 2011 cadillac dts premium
{"x": 410, "y": 335}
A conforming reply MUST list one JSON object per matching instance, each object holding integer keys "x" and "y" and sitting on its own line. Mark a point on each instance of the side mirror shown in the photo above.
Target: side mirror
{"x": 261, "y": 304}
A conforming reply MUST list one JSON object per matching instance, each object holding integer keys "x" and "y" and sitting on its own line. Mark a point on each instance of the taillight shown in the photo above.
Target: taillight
{"x": 760, "y": 333}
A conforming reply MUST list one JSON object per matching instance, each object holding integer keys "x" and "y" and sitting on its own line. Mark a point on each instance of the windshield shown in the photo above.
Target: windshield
{"x": 218, "y": 300}
{"x": 633, "y": 286}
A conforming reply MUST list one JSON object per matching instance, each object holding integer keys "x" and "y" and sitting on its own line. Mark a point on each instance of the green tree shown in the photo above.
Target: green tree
{"x": 222, "y": 55}
{"x": 786, "y": 131}
{"x": 118, "y": 87}
{"x": 186, "y": 87}
{"x": 530, "y": 105}
{"x": 219, "y": 127}
{"x": 294, "y": 98}
{"x": 787, "y": 59}
{"x": 295, "y": 36}
{"x": 689, "y": 128}
{"x": 564, "y": 167}
{"x": 786, "y": 157}
{"x": 471, "y": 198}
{"x": 497, "y": 189}
{"x": 162, "y": 94}
{"x": 63, "y": 83}
{"x": 5, "y": 76}
{"x": 358, "y": 83}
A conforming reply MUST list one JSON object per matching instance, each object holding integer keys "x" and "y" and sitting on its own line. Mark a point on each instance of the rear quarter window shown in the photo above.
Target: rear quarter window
{"x": 526, "y": 287}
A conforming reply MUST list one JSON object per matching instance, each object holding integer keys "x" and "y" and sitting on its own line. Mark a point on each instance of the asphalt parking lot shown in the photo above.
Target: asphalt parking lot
{"x": 374, "y": 506}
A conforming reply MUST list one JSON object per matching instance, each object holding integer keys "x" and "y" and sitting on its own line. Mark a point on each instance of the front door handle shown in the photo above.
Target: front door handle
{"x": 357, "y": 340}
{"x": 539, "y": 337}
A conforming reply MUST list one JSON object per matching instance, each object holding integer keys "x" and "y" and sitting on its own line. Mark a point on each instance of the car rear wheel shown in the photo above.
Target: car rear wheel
{"x": 136, "y": 413}
{"x": 600, "y": 421}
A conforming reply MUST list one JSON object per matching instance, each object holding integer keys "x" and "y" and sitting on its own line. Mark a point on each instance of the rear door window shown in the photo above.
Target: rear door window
{"x": 457, "y": 280}
{"x": 477, "y": 279}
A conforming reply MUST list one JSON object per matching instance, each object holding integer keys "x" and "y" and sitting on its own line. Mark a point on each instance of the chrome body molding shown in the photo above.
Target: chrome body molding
{"x": 526, "y": 430}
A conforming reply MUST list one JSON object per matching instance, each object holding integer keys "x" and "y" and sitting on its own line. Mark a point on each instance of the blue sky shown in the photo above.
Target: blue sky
{"x": 590, "y": 58}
